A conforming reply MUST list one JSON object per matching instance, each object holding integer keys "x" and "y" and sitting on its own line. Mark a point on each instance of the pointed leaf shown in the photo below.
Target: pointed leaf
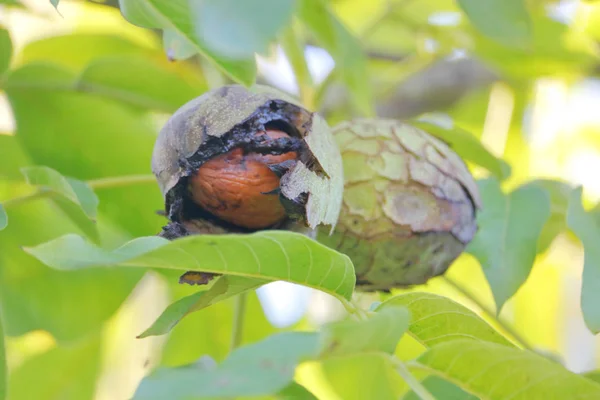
{"x": 380, "y": 332}
{"x": 261, "y": 368}
{"x": 5, "y": 50}
{"x": 436, "y": 319}
{"x": 238, "y": 29}
{"x": 224, "y": 288}
{"x": 509, "y": 229}
{"x": 55, "y": 4}
{"x": 505, "y": 21}
{"x": 343, "y": 47}
{"x": 267, "y": 255}
{"x": 76, "y": 191}
{"x": 492, "y": 371}
{"x": 175, "y": 16}
{"x": 75, "y": 198}
{"x": 587, "y": 229}
{"x": 3, "y": 218}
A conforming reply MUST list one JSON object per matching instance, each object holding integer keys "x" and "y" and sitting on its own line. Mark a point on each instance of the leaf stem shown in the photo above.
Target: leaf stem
{"x": 117, "y": 181}
{"x": 410, "y": 379}
{"x": 294, "y": 50}
{"x": 239, "y": 312}
{"x": 15, "y": 201}
{"x": 503, "y": 324}
{"x": 101, "y": 183}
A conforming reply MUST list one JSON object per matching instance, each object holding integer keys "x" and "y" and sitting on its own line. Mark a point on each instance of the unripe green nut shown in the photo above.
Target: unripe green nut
{"x": 409, "y": 204}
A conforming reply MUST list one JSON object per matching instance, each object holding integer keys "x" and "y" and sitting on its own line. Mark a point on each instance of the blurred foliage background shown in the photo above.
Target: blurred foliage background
{"x": 86, "y": 93}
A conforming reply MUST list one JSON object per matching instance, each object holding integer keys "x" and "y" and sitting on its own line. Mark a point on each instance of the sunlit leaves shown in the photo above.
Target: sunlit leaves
{"x": 555, "y": 50}
{"x": 268, "y": 255}
{"x": 175, "y": 16}
{"x": 237, "y": 29}
{"x": 505, "y": 21}
{"x": 344, "y": 48}
{"x": 509, "y": 229}
{"x": 5, "y": 50}
{"x": 492, "y": 371}
{"x": 436, "y": 319}
{"x": 262, "y": 368}
{"x": 588, "y": 231}
{"x": 381, "y": 332}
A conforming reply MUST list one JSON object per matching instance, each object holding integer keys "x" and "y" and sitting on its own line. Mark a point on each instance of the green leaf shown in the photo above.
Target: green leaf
{"x": 55, "y": 4}
{"x": 467, "y": 147}
{"x": 492, "y": 371}
{"x": 237, "y": 29}
{"x": 41, "y": 76}
{"x": 76, "y": 191}
{"x": 343, "y": 47}
{"x": 441, "y": 389}
{"x": 587, "y": 229}
{"x": 174, "y": 16}
{"x": 258, "y": 369}
{"x": 505, "y": 21}
{"x": 118, "y": 140}
{"x": 76, "y": 199}
{"x": 267, "y": 255}
{"x": 363, "y": 376}
{"x": 559, "y": 198}
{"x": 509, "y": 229}
{"x": 3, "y": 368}
{"x": 593, "y": 375}
{"x": 68, "y": 305}
{"x": 380, "y": 332}
{"x": 437, "y": 319}
{"x": 66, "y": 373}
{"x": 74, "y": 51}
{"x": 177, "y": 47}
{"x": 5, "y": 51}
{"x": 557, "y": 50}
{"x": 139, "y": 81}
{"x": 295, "y": 391}
{"x": 224, "y": 288}
{"x": 3, "y": 218}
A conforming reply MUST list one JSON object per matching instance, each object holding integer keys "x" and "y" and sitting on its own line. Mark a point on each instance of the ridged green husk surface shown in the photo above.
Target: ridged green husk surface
{"x": 409, "y": 204}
